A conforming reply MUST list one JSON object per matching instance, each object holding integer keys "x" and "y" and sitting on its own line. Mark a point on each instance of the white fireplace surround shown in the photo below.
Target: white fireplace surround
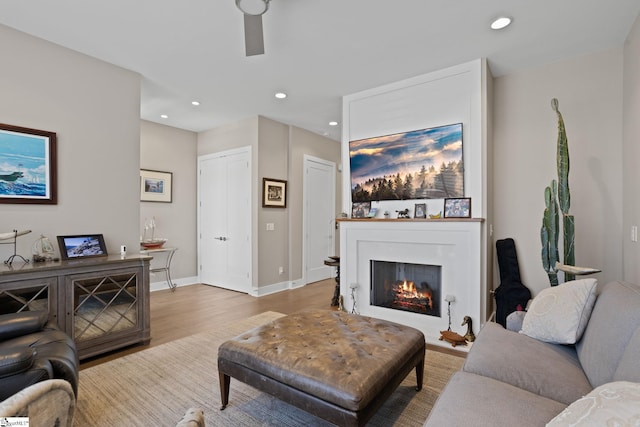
{"x": 453, "y": 244}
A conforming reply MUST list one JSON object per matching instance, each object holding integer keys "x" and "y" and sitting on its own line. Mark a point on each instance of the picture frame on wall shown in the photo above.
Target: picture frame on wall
{"x": 27, "y": 166}
{"x": 274, "y": 193}
{"x": 82, "y": 246}
{"x": 156, "y": 186}
{"x": 459, "y": 207}
{"x": 420, "y": 210}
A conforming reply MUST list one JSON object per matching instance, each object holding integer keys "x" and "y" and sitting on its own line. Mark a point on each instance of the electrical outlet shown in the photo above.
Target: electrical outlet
{"x": 280, "y": 270}
{"x": 271, "y": 226}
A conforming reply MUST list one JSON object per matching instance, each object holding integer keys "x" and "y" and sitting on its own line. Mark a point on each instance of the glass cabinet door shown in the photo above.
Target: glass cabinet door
{"x": 29, "y": 295}
{"x": 104, "y": 304}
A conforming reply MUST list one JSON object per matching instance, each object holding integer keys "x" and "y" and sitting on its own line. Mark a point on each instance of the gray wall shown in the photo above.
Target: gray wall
{"x": 273, "y": 162}
{"x": 172, "y": 150}
{"x": 305, "y": 142}
{"x": 631, "y": 152}
{"x": 277, "y": 152}
{"x": 589, "y": 89}
{"x": 94, "y": 108}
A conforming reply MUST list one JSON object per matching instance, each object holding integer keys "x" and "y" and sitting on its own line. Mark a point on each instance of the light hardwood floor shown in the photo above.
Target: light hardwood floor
{"x": 193, "y": 309}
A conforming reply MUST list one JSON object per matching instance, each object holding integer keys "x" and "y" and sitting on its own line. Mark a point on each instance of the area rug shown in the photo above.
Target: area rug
{"x": 155, "y": 387}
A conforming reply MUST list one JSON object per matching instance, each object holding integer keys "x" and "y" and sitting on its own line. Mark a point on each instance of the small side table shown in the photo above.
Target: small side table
{"x": 166, "y": 269}
{"x": 334, "y": 261}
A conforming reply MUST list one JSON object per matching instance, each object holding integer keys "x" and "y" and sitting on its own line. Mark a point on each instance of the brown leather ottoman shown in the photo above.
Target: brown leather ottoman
{"x": 340, "y": 367}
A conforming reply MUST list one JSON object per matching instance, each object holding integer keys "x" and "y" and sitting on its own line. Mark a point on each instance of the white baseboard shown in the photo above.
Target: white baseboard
{"x": 158, "y": 286}
{"x": 257, "y": 292}
{"x": 276, "y": 287}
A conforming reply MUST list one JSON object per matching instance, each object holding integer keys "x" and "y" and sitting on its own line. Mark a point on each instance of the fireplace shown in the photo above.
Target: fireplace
{"x": 405, "y": 286}
{"x": 450, "y": 249}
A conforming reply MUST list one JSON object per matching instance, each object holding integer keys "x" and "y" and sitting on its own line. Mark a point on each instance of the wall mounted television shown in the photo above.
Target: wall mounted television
{"x": 419, "y": 164}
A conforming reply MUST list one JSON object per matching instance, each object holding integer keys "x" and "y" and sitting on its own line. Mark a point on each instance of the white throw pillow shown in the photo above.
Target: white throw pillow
{"x": 560, "y": 314}
{"x": 614, "y": 404}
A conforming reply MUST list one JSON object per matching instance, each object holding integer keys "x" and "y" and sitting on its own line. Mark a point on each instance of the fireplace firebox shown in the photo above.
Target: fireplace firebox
{"x": 409, "y": 287}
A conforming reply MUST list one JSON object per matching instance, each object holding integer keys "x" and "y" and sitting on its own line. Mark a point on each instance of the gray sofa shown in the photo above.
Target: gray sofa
{"x": 510, "y": 379}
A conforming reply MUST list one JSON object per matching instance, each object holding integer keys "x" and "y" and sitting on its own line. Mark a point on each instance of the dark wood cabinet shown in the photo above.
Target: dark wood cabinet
{"x": 102, "y": 303}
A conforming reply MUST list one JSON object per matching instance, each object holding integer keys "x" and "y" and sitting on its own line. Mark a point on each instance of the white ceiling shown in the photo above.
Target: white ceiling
{"x": 315, "y": 50}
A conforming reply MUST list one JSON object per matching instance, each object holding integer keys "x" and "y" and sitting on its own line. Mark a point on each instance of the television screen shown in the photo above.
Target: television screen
{"x": 420, "y": 164}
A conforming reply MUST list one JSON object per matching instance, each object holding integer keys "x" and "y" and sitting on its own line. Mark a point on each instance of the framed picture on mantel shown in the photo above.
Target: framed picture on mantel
{"x": 457, "y": 207}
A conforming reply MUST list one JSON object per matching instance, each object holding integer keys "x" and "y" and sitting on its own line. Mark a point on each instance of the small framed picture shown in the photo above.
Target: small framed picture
{"x": 360, "y": 209}
{"x": 420, "y": 210}
{"x": 81, "y": 246}
{"x": 274, "y": 193}
{"x": 155, "y": 186}
{"x": 457, "y": 207}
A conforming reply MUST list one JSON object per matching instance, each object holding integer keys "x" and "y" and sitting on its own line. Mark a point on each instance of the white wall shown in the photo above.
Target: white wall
{"x": 94, "y": 108}
{"x": 631, "y": 152}
{"x": 589, "y": 89}
{"x": 169, "y": 149}
{"x": 452, "y": 95}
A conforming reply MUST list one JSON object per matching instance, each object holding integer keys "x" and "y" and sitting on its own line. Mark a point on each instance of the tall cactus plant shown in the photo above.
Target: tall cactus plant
{"x": 549, "y": 232}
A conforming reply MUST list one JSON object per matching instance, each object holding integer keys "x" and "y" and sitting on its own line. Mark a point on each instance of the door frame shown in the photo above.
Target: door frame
{"x": 219, "y": 154}
{"x": 305, "y": 199}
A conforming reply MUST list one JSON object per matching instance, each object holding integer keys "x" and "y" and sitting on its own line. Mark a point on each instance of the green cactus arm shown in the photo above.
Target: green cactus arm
{"x": 544, "y": 238}
{"x": 554, "y": 229}
{"x": 568, "y": 226}
{"x": 562, "y": 159}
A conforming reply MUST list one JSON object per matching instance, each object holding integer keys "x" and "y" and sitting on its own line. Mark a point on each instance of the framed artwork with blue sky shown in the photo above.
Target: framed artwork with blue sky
{"x": 27, "y": 165}
{"x": 419, "y": 164}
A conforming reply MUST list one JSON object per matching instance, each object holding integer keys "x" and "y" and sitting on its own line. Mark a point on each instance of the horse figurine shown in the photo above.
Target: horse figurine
{"x": 403, "y": 213}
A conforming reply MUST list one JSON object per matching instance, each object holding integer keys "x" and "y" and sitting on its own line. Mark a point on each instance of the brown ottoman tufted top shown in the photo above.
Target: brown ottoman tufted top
{"x": 341, "y": 358}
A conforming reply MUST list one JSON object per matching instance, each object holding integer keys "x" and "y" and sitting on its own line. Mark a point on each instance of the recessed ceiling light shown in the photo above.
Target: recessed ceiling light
{"x": 164, "y": 116}
{"x": 281, "y": 95}
{"x": 196, "y": 103}
{"x": 333, "y": 123}
{"x": 500, "y": 23}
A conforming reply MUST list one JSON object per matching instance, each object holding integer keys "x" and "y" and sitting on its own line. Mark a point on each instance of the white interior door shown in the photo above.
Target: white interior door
{"x": 319, "y": 217}
{"x": 224, "y": 219}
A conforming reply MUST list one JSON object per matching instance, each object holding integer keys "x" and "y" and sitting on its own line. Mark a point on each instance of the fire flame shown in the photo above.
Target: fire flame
{"x": 408, "y": 290}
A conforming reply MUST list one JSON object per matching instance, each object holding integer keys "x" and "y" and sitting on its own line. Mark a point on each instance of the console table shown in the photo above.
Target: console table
{"x": 101, "y": 302}
{"x": 166, "y": 266}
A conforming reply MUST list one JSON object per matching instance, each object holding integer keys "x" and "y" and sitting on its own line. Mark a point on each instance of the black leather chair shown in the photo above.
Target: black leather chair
{"x": 32, "y": 350}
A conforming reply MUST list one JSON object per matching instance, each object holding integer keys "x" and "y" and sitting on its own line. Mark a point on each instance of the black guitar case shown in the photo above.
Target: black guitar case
{"x": 511, "y": 291}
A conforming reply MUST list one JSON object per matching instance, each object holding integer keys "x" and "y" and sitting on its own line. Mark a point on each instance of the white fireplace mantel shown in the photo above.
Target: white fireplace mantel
{"x": 455, "y": 245}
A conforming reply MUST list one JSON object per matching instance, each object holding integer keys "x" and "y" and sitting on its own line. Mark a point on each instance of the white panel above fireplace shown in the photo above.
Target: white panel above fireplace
{"x": 454, "y": 245}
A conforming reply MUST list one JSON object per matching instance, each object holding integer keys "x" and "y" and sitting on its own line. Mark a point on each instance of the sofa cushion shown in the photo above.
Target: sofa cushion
{"x": 628, "y": 367}
{"x": 614, "y": 321}
{"x": 611, "y": 404}
{"x": 550, "y": 370}
{"x": 560, "y": 314}
{"x": 474, "y": 400}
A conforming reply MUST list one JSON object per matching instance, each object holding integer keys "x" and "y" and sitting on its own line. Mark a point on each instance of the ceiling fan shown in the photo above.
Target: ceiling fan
{"x": 253, "y": 36}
